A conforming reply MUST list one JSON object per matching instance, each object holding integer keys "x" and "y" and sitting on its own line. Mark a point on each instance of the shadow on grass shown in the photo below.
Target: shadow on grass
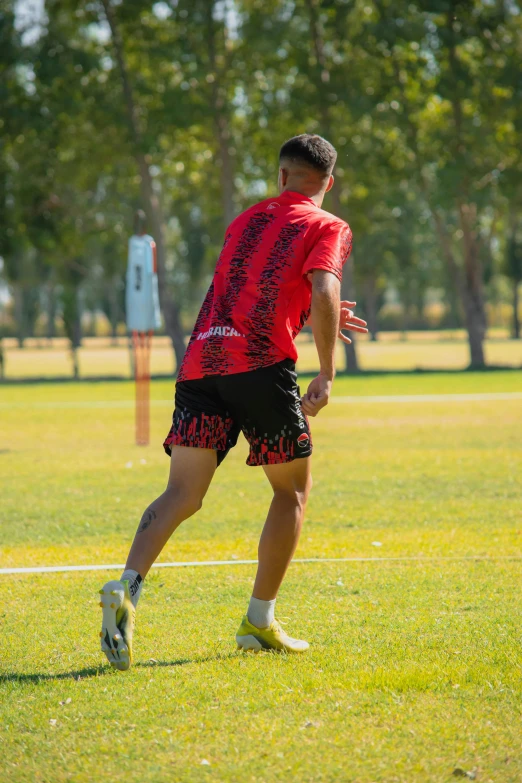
{"x": 185, "y": 661}
{"x": 103, "y": 670}
{"x": 80, "y": 674}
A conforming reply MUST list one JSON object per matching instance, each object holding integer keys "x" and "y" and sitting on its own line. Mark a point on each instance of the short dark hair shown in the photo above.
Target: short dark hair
{"x": 312, "y": 150}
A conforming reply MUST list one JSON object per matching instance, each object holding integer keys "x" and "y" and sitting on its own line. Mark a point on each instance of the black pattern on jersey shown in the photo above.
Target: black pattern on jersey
{"x": 260, "y": 349}
{"x": 346, "y": 245}
{"x": 201, "y": 320}
{"x": 305, "y": 315}
{"x": 214, "y": 358}
{"x": 206, "y": 307}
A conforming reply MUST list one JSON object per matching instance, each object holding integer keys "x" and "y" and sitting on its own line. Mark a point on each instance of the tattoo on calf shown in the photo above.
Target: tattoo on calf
{"x": 147, "y": 519}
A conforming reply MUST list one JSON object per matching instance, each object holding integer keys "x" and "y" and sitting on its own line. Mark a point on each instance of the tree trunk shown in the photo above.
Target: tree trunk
{"x": 405, "y": 300}
{"x": 31, "y": 305}
{"x": 114, "y": 308}
{"x": 221, "y": 121}
{"x": 475, "y": 313}
{"x": 469, "y": 280}
{"x": 19, "y": 313}
{"x": 514, "y": 265}
{"x": 468, "y": 283}
{"x": 226, "y": 169}
{"x": 150, "y": 200}
{"x": 475, "y": 327}
{"x": 370, "y": 303}
{"x": 77, "y": 323}
{"x": 51, "y": 311}
{"x": 322, "y": 77}
{"x": 168, "y": 306}
{"x": 455, "y": 319}
{"x": 75, "y": 363}
{"x": 404, "y": 324}
{"x": 476, "y": 319}
{"x": 516, "y": 318}
{"x": 347, "y": 292}
{"x": 322, "y": 73}
{"x": 72, "y": 322}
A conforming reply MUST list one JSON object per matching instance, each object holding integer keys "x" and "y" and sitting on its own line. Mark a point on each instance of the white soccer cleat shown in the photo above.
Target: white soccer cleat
{"x": 117, "y": 624}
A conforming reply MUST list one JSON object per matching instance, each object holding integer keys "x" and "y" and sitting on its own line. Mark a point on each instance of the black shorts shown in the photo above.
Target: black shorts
{"x": 264, "y": 404}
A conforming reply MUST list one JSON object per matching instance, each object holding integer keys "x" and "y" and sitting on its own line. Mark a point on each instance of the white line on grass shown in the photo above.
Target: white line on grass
{"x": 478, "y": 397}
{"x": 199, "y": 563}
{"x": 485, "y": 397}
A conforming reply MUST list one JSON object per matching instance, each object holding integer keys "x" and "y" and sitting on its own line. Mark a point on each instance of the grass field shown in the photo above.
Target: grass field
{"x": 415, "y": 667}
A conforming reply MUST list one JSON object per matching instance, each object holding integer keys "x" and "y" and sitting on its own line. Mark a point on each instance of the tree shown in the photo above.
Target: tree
{"x": 514, "y": 269}
{"x": 150, "y": 199}
{"x": 439, "y": 89}
{"x": 326, "y": 98}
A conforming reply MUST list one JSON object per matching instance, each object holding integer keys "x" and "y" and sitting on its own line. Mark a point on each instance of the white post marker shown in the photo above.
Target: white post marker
{"x": 143, "y": 317}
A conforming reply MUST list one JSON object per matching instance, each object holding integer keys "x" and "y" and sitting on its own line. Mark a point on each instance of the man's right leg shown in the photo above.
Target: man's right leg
{"x": 291, "y": 483}
{"x": 191, "y": 471}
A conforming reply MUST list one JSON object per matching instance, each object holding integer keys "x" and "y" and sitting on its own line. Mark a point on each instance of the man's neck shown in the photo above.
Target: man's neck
{"x": 317, "y": 198}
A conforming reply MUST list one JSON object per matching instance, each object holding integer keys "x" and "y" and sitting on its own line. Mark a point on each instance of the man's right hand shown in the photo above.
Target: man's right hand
{"x": 350, "y": 321}
{"x": 317, "y": 395}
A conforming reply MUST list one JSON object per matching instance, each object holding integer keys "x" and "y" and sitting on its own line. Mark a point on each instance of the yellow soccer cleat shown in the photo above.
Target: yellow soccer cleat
{"x": 249, "y": 637}
{"x": 117, "y": 624}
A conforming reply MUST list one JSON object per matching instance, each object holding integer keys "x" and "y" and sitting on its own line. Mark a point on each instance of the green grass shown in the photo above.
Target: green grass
{"x": 415, "y": 667}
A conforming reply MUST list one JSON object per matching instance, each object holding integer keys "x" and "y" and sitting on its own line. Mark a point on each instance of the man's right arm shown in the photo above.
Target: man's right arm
{"x": 326, "y": 289}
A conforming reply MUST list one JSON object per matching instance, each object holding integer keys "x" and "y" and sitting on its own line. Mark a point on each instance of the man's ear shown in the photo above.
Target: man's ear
{"x": 282, "y": 179}
{"x": 330, "y": 183}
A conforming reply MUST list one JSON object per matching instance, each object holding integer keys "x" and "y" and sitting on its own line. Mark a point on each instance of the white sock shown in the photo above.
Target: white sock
{"x": 261, "y": 613}
{"x": 135, "y": 584}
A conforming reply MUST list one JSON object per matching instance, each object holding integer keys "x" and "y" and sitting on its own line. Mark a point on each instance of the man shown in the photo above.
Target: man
{"x": 281, "y": 259}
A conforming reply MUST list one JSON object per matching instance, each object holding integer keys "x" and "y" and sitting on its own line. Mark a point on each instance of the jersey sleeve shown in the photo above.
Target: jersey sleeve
{"x": 331, "y": 250}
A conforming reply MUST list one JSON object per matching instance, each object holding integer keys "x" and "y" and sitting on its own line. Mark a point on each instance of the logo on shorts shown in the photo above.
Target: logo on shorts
{"x": 303, "y": 440}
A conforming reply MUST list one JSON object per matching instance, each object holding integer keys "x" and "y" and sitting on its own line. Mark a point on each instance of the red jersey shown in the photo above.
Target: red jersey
{"x": 260, "y": 296}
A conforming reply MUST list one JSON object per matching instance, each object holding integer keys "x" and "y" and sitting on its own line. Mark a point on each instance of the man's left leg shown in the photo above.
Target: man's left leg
{"x": 191, "y": 471}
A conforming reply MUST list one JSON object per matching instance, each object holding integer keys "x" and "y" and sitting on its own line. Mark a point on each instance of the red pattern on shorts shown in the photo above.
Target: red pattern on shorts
{"x": 215, "y": 432}
{"x": 273, "y": 451}
{"x": 200, "y": 431}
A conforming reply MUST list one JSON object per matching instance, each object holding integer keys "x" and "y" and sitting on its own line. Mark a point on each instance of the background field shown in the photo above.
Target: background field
{"x": 415, "y": 350}
{"x": 415, "y": 666}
